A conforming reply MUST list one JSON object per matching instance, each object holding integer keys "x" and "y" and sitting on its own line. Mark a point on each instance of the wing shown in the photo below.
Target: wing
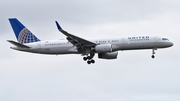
{"x": 75, "y": 40}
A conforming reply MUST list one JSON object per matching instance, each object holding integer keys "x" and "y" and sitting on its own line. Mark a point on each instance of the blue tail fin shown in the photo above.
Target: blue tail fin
{"x": 23, "y": 35}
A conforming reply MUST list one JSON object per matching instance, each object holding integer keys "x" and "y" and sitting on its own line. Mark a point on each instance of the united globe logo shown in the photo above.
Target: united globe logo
{"x": 25, "y": 36}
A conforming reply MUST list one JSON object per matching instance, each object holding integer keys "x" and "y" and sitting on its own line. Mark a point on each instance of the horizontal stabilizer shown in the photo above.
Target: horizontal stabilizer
{"x": 18, "y": 44}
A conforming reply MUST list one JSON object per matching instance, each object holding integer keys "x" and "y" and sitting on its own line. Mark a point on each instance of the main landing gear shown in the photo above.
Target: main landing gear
{"x": 153, "y": 52}
{"x": 89, "y": 59}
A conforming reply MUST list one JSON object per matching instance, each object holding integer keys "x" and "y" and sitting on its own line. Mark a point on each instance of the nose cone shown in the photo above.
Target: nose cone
{"x": 170, "y": 44}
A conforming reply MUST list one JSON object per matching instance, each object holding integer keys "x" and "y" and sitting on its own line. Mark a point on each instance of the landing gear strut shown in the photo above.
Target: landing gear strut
{"x": 89, "y": 59}
{"x": 153, "y": 52}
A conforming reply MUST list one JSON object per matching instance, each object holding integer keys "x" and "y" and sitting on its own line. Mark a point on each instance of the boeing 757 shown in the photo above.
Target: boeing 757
{"x": 104, "y": 48}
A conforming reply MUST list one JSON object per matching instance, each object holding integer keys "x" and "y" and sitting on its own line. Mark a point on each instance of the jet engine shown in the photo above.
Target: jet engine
{"x": 109, "y": 55}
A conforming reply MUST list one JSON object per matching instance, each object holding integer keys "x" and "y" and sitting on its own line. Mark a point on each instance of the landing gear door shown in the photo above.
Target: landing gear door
{"x": 123, "y": 41}
{"x": 155, "y": 39}
{"x": 39, "y": 45}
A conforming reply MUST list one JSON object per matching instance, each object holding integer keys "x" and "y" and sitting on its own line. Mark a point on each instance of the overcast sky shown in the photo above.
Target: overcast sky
{"x": 134, "y": 76}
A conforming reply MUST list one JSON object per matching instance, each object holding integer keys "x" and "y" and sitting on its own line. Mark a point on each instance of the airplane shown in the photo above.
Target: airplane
{"x": 105, "y": 48}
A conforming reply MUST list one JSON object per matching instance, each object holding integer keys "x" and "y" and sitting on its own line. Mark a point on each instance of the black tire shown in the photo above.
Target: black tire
{"x": 153, "y": 56}
{"x": 92, "y": 61}
{"x": 84, "y": 58}
{"x": 88, "y": 62}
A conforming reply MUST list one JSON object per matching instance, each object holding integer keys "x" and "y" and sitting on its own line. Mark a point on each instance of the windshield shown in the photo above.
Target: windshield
{"x": 164, "y": 39}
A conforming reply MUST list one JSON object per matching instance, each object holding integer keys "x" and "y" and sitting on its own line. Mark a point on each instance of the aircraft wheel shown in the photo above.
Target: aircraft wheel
{"x": 153, "y": 56}
{"x": 84, "y": 58}
{"x": 89, "y": 62}
{"x": 92, "y": 61}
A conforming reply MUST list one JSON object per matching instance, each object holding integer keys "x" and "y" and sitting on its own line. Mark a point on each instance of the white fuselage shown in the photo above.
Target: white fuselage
{"x": 122, "y": 43}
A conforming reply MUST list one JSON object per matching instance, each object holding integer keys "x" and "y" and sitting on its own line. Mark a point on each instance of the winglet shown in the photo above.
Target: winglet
{"x": 58, "y": 26}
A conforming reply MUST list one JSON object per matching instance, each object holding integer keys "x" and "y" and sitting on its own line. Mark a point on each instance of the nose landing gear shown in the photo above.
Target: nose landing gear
{"x": 153, "y": 52}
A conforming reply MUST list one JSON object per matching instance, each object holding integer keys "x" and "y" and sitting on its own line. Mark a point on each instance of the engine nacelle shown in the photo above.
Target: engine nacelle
{"x": 109, "y": 55}
{"x": 102, "y": 48}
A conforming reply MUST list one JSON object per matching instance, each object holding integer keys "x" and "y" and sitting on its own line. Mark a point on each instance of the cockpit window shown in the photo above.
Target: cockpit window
{"x": 165, "y": 39}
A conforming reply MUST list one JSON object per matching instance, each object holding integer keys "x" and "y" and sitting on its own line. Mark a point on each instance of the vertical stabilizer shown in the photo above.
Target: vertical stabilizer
{"x": 22, "y": 34}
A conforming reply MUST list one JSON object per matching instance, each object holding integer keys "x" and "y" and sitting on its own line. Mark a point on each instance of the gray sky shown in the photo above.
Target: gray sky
{"x": 134, "y": 76}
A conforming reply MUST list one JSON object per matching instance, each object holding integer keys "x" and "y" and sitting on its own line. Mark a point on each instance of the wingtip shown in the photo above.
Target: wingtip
{"x": 8, "y": 40}
{"x": 58, "y": 26}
